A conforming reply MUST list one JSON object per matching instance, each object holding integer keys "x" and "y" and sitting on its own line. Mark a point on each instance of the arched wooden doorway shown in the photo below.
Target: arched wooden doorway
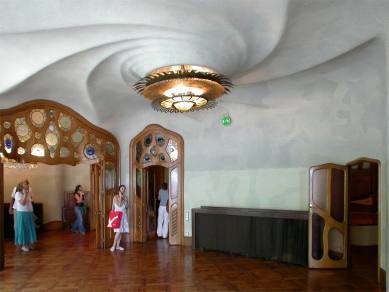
{"x": 156, "y": 146}
{"x": 51, "y": 133}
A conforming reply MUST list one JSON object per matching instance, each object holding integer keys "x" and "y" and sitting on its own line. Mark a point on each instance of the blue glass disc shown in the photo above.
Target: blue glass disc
{"x": 8, "y": 143}
{"x": 90, "y": 151}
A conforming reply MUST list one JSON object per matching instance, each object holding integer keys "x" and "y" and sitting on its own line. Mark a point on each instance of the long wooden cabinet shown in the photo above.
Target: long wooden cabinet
{"x": 271, "y": 234}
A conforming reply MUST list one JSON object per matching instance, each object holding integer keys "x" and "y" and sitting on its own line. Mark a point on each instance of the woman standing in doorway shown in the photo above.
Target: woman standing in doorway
{"x": 163, "y": 214}
{"x": 120, "y": 204}
{"x": 79, "y": 209}
{"x": 25, "y": 233}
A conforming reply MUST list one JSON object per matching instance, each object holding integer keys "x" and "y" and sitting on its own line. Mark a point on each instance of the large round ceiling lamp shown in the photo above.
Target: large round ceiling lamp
{"x": 183, "y": 88}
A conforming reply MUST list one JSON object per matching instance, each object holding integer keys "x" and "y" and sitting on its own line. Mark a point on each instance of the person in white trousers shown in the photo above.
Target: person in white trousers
{"x": 163, "y": 215}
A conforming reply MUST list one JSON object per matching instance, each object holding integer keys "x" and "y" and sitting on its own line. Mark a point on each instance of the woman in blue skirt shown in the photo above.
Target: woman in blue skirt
{"x": 25, "y": 233}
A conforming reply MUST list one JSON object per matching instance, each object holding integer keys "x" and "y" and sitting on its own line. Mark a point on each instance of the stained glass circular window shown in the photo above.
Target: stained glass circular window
{"x": 51, "y": 139}
{"x": 64, "y": 152}
{"x": 90, "y": 151}
{"x": 77, "y": 137}
{"x": 111, "y": 148}
{"x": 65, "y": 122}
{"x": 147, "y": 140}
{"x": 22, "y": 130}
{"x": 8, "y": 143}
{"x": 21, "y": 150}
{"x": 38, "y": 117}
{"x": 160, "y": 139}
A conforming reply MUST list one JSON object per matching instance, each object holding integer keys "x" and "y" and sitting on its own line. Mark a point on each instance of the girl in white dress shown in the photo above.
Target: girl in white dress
{"x": 120, "y": 203}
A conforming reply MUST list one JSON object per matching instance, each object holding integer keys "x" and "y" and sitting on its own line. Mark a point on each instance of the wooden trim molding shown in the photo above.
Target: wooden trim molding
{"x": 383, "y": 277}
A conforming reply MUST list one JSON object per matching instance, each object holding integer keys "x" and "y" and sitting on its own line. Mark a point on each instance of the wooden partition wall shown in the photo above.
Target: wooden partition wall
{"x": 50, "y": 133}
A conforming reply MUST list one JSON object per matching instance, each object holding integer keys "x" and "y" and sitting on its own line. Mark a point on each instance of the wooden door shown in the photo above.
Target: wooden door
{"x": 108, "y": 187}
{"x": 95, "y": 192}
{"x": 328, "y": 217}
{"x": 138, "y": 206}
{"x": 156, "y": 146}
{"x": 150, "y": 203}
{"x": 102, "y": 199}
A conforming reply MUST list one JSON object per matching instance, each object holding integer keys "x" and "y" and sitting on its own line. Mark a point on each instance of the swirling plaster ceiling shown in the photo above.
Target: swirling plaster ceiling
{"x": 88, "y": 54}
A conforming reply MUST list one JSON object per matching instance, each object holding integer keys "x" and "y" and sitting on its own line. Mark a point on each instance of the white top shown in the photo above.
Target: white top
{"x": 19, "y": 207}
{"x": 13, "y": 196}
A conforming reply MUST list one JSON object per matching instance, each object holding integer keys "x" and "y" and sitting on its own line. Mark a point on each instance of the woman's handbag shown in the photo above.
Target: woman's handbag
{"x": 114, "y": 219}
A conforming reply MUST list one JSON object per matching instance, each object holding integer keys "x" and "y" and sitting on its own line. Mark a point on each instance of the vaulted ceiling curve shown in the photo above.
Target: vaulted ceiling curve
{"x": 90, "y": 53}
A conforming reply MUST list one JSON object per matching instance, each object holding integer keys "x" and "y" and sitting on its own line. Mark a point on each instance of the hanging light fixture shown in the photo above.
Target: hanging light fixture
{"x": 13, "y": 164}
{"x": 183, "y": 88}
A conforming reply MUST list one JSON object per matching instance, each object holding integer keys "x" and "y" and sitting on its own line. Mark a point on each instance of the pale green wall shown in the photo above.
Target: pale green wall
{"x": 281, "y": 189}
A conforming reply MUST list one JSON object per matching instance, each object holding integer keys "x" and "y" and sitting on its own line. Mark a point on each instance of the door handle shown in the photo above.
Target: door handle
{"x": 311, "y": 209}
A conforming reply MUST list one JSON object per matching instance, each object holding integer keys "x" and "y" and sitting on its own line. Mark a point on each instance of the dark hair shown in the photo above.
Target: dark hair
{"x": 77, "y": 189}
{"x": 121, "y": 186}
{"x": 19, "y": 187}
{"x": 164, "y": 185}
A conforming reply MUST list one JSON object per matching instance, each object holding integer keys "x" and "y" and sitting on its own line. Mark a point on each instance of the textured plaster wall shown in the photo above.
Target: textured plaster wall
{"x": 333, "y": 113}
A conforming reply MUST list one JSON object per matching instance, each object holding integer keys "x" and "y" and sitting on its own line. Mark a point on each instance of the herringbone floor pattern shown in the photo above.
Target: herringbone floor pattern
{"x": 62, "y": 261}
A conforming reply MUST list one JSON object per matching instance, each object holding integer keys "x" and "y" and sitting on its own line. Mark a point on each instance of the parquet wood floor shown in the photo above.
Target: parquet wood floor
{"x": 62, "y": 261}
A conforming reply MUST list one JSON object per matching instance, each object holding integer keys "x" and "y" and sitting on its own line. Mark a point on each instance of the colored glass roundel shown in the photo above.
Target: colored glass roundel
{"x": 160, "y": 139}
{"x": 21, "y": 150}
{"x": 172, "y": 150}
{"x": 78, "y": 136}
{"x": 111, "y": 148}
{"x": 38, "y": 150}
{"x": 22, "y": 129}
{"x": 7, "y": 125}
{"x": 9, "y": 143}
{"x": 90, "y": 151}
{"x": 148, "y": 139}
{"x": 51, "y": 139}
{"x": 65, "y": 122}
{"x": 139, "y": 151}
{"x": 38, "y": 117}
{"x": 64, "y": 152}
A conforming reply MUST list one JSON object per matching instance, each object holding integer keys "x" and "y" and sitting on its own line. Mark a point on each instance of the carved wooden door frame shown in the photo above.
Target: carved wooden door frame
{"x": 156, "y": 145}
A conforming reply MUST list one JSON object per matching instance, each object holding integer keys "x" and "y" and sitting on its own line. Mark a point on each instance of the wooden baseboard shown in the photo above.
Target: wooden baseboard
{"x": 364, "y": 250}
{"x": 126, "y": 237}
{"x": 383, "y": 277}
{"x": 53, "y": 225}
{"x": 187, "y": 241}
